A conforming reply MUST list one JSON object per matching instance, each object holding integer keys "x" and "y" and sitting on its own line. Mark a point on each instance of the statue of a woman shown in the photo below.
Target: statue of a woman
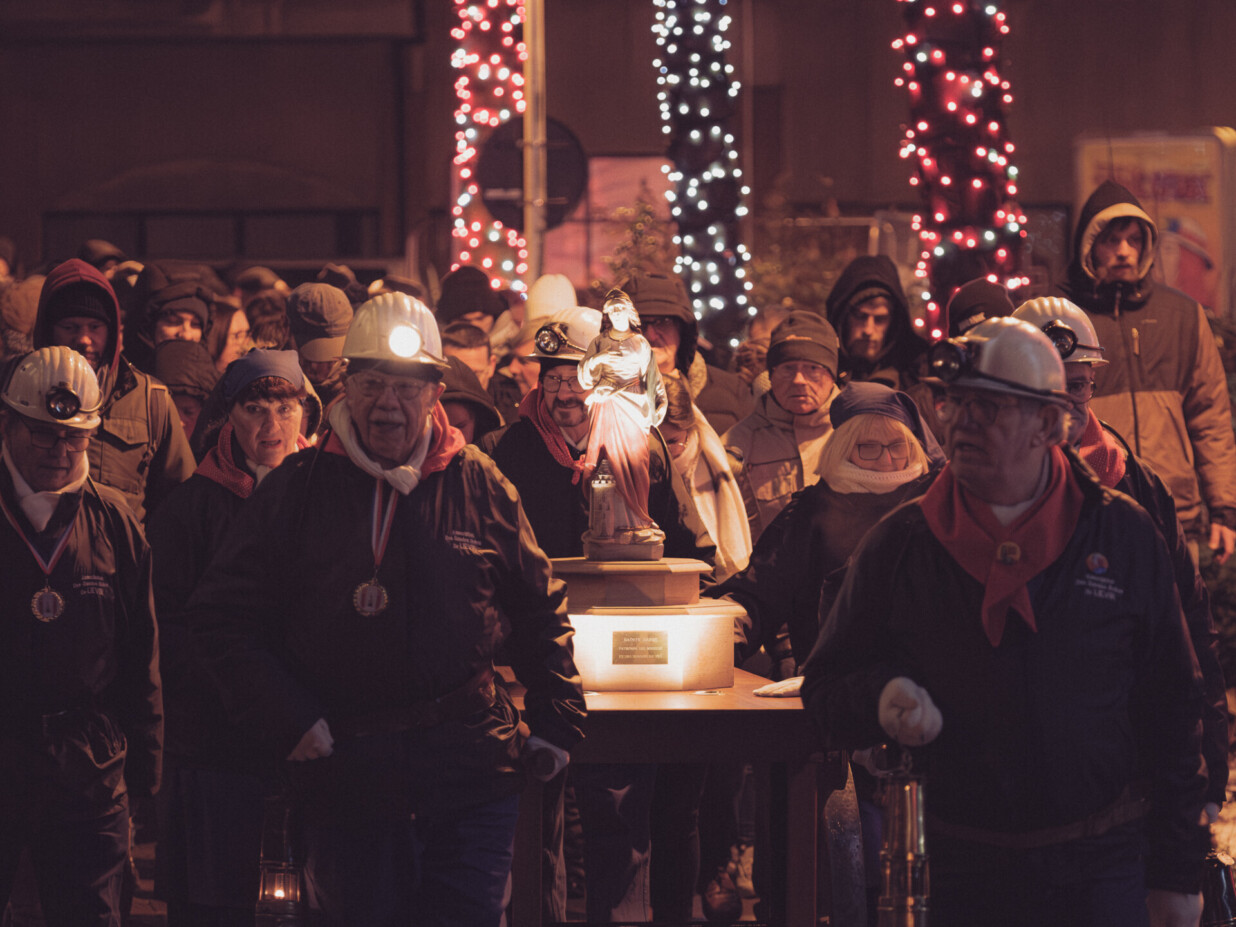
{"x": 627, "y": 400}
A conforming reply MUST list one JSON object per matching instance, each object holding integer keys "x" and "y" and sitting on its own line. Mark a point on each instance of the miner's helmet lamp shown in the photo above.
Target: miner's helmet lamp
{"x": 554, "y": 339}
{"x": 1004, "y": 355}
{"x": 1051, "y": 314}
{"x": 55, "y": 385}
{"x": 394, "y": 328}
{"x": 566, "y": 334}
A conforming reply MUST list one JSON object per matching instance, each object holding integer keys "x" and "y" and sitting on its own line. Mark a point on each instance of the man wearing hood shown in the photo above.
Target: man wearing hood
{"x": 140, "y": 448}
{"x": 869, "y": 310}
{"x": 1165, "y": 389}
{"x": 671, "y": 328}
{"x": 468, "y": 407}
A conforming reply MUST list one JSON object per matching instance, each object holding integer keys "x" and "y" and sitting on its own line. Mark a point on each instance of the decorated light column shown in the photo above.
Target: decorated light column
{"x": 971, "y": 225}
{"x": 698, "y": 98}
{"x": 489, "y": 59}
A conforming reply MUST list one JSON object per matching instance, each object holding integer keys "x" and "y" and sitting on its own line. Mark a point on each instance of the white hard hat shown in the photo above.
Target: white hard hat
{"x": 1004, "y": 355}
{"x": 1078, "y": 345}
{"x": 55, "y": 385}
{"x": 394, "y": 327}
{"x": 566, "y": 334}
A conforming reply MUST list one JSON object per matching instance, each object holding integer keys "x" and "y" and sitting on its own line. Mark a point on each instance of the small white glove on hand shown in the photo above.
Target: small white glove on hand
{"x": 1173, "y": 909}
{"x": 907, "y": 713}
{"x": 542, "y": 759}
{"x": 786, "y": 688}
{"x": 314, "y": 744}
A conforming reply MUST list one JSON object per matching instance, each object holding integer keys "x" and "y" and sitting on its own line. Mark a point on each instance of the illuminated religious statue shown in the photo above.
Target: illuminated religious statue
{"x": 627, "y": 400}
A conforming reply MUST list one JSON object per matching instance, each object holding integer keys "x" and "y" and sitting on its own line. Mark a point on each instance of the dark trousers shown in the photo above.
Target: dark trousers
{"x": 614, "y": 805}
{"x": 78, "y": 866}
{"x": 441, "y": 868}
{"x": 1098, "y": 882}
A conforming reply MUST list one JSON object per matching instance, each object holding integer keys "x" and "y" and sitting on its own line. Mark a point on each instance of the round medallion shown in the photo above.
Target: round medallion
{"x": 47, "y": 605}
{"x": 370, "y": 598}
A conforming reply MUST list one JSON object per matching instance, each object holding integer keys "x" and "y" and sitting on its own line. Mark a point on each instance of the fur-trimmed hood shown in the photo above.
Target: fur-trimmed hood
{"x": 1109, "y": 202}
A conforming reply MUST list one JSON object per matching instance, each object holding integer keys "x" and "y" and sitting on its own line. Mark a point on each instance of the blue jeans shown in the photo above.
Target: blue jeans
{"x": 441, "y": 868}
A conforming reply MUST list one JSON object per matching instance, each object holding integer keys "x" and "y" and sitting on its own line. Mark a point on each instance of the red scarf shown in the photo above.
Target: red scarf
{"x": 532, "y": 409}
{"x": 445, "y": 442}
{"x": 1101, "y": 451}
{"x": 220, "y": 465}
{"x": 1003, "y": 558}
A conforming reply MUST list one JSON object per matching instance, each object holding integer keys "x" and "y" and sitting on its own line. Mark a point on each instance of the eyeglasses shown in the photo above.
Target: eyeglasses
{"x": 982, "y": 410}
{"x": 788, "y": 370}
{"x": 552, "y": 383}
{"x": 371, "y": 386}
{"x": 1079, "y": 389}
{"x": 45, "y": 439}
{"x": 659, "y": 321}
{"x": 873, "y": 450}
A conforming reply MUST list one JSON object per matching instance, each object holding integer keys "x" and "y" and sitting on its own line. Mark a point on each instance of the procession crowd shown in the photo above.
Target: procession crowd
{"x": 264, "y": 547}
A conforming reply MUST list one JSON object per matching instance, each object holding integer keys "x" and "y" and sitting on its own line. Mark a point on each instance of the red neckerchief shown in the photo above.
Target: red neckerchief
{"x": 1101, "y": 451}
{"x": 1003, "y": 558}
{"x": 220, "y": 465}
{"x": 532, "y": 409}
{"x": 445, "y": 442}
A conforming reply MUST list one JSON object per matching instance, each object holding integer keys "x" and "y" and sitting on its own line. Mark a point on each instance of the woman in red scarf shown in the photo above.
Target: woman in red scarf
{"x": 210, "y": 807}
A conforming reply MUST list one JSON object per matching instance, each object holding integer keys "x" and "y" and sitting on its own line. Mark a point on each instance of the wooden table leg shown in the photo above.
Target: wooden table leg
{"x": 525, "y": 907}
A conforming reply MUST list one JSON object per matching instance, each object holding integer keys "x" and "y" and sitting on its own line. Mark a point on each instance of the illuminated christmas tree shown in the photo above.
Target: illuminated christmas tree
{"x": 489, "y": 57}
{"x": 698, "y": 98}
{"x": 971, "y": 225}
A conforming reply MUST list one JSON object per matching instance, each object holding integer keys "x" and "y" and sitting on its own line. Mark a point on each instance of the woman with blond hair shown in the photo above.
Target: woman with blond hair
{"x": 879, "y": 455}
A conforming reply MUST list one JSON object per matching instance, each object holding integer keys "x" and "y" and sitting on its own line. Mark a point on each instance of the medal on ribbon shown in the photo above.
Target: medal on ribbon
{"x": 47, "y": 604}
{"x": 371, "y": 598}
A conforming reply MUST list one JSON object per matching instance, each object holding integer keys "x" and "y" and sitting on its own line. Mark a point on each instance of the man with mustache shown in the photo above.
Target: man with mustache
{"x": 1018, "y": 628}
{"x": 541, "y": 453}
{"x": 1165, "y": 390}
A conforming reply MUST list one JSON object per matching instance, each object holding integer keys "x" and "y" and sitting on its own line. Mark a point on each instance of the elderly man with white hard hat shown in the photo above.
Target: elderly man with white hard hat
{"x": 353, "y": 622}
{"x": 81, "y": 711}
{"x": 1017, "y": 629}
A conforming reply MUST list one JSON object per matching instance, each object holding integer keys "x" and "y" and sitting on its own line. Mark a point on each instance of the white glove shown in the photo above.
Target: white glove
{"x": 542, "y": 759}
{"x": 314, "y": 744}
{"x": 907, "y": 713}
{"x": 1173, "y": 909}
{"x": 786, "y": 688}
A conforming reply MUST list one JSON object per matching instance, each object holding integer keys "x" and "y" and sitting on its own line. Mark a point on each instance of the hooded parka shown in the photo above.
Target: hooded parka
{"x": 140, "y": 449}
{"x": 1165, "y": 389}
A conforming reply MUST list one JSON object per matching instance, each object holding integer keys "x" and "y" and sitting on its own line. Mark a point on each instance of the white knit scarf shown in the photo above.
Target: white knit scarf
{"x": 39, "y": 506}
{"x": 850, "y": 477}
{"x": 406, "y": 477}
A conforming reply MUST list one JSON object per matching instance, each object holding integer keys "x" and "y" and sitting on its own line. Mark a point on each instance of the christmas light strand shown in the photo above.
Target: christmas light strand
{"x": 489, "y": 58}
{"x": 957, "y": 137}
{"x": 697, "y": 98}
